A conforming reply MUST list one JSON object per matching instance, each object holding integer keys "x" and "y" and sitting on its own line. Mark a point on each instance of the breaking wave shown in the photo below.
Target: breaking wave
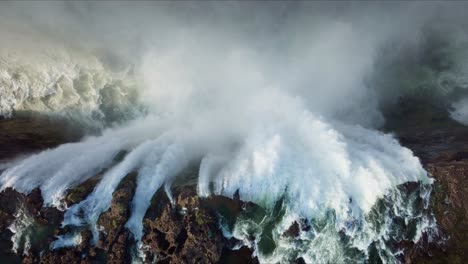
{"x": 330, "y": 174}
{"x": 65, "y": 83}
{"x": 284, "y": 116}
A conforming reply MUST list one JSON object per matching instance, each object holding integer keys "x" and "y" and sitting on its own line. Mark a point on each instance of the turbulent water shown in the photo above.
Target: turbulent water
{"x": 331, "y": 175}
{"x": 64, "y": 83}
{"x": 285, "y": 116}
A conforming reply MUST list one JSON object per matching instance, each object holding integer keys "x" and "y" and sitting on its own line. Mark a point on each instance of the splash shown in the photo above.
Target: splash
{"x": 64, "y": 82}
{"x": 282, "y": 110}
{"x": 27, "y": 232}
{"x": 324, "y": 172}
{"x": 21, "y": 229}
{"x": 67, "y": 166}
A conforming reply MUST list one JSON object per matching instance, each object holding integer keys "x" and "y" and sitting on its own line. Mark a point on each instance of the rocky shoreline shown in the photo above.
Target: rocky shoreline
{"x": 188, "y": 230}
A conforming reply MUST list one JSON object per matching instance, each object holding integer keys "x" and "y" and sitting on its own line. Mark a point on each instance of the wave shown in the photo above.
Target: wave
{"x": 67, "y": 83}
{"x": 281, "y": 114}
{"x": 316, "y": 168}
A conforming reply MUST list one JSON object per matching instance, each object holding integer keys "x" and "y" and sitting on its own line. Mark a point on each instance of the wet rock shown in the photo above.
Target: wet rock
{"x": 300, "y": 261}
{"x": 444, "y": 155}
{"x": 187, "y": 232}
{"x": 78, "y": 254}
{"x": 115, "y": 239}
{"x": 44, "y": 222}
{"x": 293, "y": 230}
{"x": 80, "y": 192}
{"x": 241, "y": 255}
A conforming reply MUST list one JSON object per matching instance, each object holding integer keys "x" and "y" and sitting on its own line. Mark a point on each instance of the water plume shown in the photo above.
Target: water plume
{"x": 280, "y": 106}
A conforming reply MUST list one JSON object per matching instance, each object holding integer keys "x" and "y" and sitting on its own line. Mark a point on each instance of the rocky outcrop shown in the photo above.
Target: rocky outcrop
{"x": 188, "y": 230}
{"x": 115, "y": 238}
{"x": 184, "y": 232}
{"x": 443, "y": 152}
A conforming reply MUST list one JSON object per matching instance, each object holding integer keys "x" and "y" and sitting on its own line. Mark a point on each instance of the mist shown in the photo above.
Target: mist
{"x": 324, "y": 54}
{"x": 271, "y": 101}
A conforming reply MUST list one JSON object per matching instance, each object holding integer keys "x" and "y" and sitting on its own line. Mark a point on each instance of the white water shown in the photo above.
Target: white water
{"x": 272, "y": 111}
{"x": 321, "y": 167}
{"x": 314, "y": 165}
{"x": 57, "y": 170}
{"x": 100, "y": 199}
{"x": 67, "y": 240}
{"x": 20, "y": 229}
{"x": 330, "y": 240}
{"x": 55, "y": 80}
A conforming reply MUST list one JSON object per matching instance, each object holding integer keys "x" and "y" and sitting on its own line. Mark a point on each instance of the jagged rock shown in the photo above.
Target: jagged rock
{"x": 80, "y": 192}
{"x": 187, "y": 232}
{"x": 115, "y": 240}
{"x": 293, "y": 230}
{"x": 443, "y": 153}
{"x": 176, "y": 234}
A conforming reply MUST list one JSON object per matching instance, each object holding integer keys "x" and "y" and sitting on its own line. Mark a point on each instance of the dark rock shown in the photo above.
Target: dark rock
{"x": 444, "y": 155}
{"x": 80, "y": 192}
{"x": 191, "y": 236}
{"x": 241, "y": 255}
{"x": 300, "y": 261}
{"x": 115, "y": 240}
{"x": 293, "y": 230}
{"x": 187, "y": 232}
{"x": 305, "y": 225}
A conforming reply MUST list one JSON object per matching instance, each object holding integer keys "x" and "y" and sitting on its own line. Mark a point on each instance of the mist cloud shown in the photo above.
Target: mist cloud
{"x": 322, "y": 53}
{"x": 273, "y": 100}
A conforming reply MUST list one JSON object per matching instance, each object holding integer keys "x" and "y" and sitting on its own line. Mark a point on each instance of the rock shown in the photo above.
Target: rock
{"x": 115, "y": 240}
{"x": 187, "y": 232}
{"x": 242, "y": 255}
{"x": 300, "y": 261}
{"x": 444, "y": 155}
{"x": 293, "y": 230}
{"x": 81, "y": 191}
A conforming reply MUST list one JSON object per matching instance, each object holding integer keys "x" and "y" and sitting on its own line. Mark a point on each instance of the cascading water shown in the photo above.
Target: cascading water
{"x": 295, "y": 134}
{"x": 332, "y": 175}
